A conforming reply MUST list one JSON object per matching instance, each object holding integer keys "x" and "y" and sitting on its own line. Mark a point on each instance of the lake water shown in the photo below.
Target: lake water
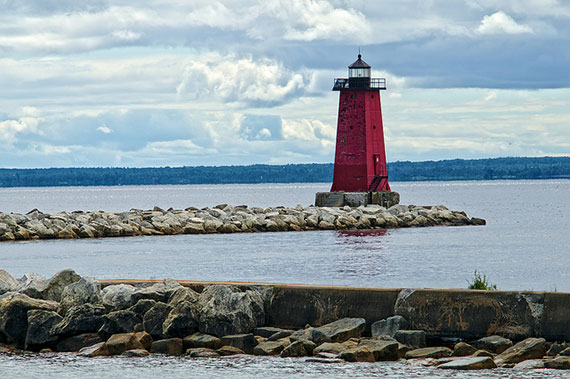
{"x": 525, "y": 245}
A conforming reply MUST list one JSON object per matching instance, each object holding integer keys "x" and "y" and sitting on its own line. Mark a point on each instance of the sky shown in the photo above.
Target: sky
{"x": 97, "y": 83}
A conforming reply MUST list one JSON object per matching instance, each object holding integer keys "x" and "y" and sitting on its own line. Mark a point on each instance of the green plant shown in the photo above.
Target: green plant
{"x": 480, "y": 283}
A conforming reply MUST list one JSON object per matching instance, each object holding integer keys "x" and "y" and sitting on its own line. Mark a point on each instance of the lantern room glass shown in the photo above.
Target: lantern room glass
{"x": 359, "y": 72}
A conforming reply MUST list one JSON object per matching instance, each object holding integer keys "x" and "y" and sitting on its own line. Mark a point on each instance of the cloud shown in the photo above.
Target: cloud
{"x": 105, "y": 130}
{"x": 257, "y": 83}
{"x": 501, "y": 23}
{"x": 11, "y": 129}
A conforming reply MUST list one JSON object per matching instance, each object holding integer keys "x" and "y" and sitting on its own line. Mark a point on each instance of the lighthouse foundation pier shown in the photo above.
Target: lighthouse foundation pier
{"x": 355, "y": 199}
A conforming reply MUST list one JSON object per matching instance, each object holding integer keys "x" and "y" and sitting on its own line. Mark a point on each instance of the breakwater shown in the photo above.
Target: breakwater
{"x": 450, "y": 329}
{"x": 222, "y": 219}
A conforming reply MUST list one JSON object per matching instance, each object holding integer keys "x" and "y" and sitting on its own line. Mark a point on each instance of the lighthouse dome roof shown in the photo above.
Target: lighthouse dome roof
{"x": 359, "y": 63}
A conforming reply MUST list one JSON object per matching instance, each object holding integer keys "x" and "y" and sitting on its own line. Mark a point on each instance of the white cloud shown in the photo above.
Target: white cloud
{"x": 502, "y": 23}
{"x": 104, "y": 129}
{"x": 260, "y": 82}
{"x": 10, "y": 129}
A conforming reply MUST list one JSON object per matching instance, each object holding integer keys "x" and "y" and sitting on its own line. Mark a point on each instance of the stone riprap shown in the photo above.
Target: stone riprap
{"x": 70, "y": 313}
{"x": 222, "y": 219}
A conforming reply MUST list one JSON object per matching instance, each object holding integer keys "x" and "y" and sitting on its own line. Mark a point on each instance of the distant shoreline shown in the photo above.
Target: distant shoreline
{"x": 510, "y": 168}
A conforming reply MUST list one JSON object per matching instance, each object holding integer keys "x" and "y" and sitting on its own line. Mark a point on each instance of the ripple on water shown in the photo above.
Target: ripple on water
{"x": 68, "y": 365}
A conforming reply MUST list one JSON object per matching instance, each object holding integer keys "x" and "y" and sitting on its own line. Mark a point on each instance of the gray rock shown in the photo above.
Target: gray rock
{"x": 200, "y": 340}
{"x": 76, "y": 343}
{"x": 56, "y": 284}
{"x": 270, "y": 348}
{"x": 244, "y": 342}
{"x": 84, "y": 291}
{"x": 429, "y": 352}
{"x": 268, "y": 331}
{"x": 183, "y": 294}
{"x": 169, "y": 346}
{"x": 122, "y": 321}
{"x": 558, "y": 363}
{"x": 96, "y": 350}
{"x": 330, "y": 347}
{"x": 299, "y": 349}
{"x": 339, "y": 331}
{"x": 157, "y": 292}
{"x": 7, "y": 282}
{"x": 85, "y": 318}
{"x": 358, "y": 354}
{"x": 136, "y": 353}
{"x": 462, "y": 349}
{"x": 469, "y": 363}
{"x": 382, "y": 350}
{"x": 414, "y": 338}
{"x": 154, "y": 318}
{"x": 530, "y": 348}
{"x": 40, "y": 325}
{"x": 182, "y": 319}
{"x": 32, "y": 284}
{"x": 117, "y": 296}
{"x": 389, "y": 326}
{"x": 531, "y": 364}
{"x": 142, "y": 306}
{"x": 225, "y": 310}
{"x": 14, "y": 309}
{"x": 279, "y": 335}
{"x": 494, "y": 344}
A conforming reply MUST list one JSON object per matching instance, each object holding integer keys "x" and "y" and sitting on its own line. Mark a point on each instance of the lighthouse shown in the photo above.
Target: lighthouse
{"x": 360, "y": 173}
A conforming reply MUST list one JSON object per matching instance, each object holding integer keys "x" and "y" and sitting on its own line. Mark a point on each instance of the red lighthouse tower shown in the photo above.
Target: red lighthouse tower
{"x": 360, "y": 159}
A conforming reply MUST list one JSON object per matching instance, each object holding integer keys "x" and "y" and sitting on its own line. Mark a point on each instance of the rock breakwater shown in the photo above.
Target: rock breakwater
{"x": 70, "y": 313}
{"x": 222, "y": 219}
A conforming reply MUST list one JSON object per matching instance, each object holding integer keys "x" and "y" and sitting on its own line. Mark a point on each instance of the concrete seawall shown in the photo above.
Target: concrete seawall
{"x": 441, "y": 313}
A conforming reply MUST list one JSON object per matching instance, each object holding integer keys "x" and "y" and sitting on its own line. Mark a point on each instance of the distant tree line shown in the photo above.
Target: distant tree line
{"x": 456, "y": 169}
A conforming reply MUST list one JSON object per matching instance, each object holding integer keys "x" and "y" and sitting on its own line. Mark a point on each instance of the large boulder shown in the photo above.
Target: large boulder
{"x": 339, "y": 331}
{"x": 389, "y": 326}
{"x": 270, "y": 348}
{"x": 153, "y": 320}
{"x": 85, "y": 318}
{"x": 382, "y": 350}
{"x": 169, "y": 346}
{"x": 84, "y": 291}
{"x": 494, "y": 344}
{"x": 32, "y": 285}
{"x": 157, "y": 292}
{"x": 119, "y": 343}
{"x": 558, "y": 363}
{"x": 7, "y": 282}
{"x": 40, "y": 325}
{"x": 302, "y": 348}
{"x": 530, "y": 348}
{"x": 14, "y": 309}
{"x": 469, "y": 363}
{"x": 226, "y": 310}
{"x": 78, "y": 342}
{"x": 358, "y": 354}
{"x": 415, "y": 339}
{"x": 118, "y": 296}
{"x": 463, "y": 349}
{"x": 56, "y": 284}
{"x": 142, "y": 306}
{"x": 429, "y": 352}
{"x": 200, "y": 340}
{"x": 244, "y": 342}
{"x": 181, "y": 320}
{"x": 122, "y": 321}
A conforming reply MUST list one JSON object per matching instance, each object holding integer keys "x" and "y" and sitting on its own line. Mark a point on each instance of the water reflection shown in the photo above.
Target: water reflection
{"x": 363, "y": 254}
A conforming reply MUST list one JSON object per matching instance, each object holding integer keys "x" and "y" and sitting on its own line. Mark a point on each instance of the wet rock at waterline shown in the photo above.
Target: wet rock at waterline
{"x": 220, "y": 219}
